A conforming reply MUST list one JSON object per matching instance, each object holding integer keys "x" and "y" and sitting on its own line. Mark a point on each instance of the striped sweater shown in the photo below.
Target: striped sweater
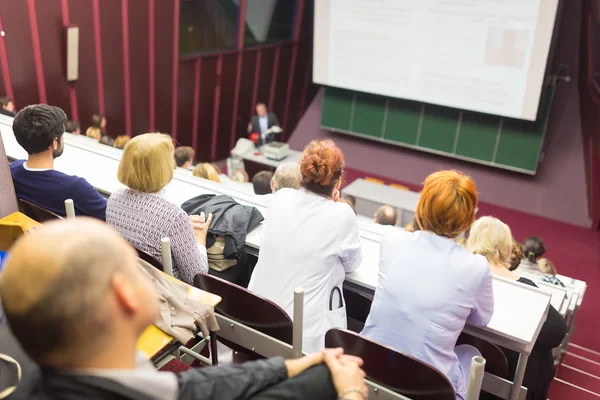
{"x": 143, "y": 219}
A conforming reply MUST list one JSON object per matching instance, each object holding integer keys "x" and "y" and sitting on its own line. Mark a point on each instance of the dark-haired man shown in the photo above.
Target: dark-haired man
{"x": 263, "y": 120}
{"x": 39, "y": 130}
{"x": 386, "y": 215}
{"x": 261, "y": 182}
{"x": 7, "y": 106}
{"x": 184, "y": 156}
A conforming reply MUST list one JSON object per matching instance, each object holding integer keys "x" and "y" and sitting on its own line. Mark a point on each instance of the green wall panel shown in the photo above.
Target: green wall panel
{"x": 438, "y": 129}
{"x": 477, "y": 137}
{"x": 337, "y": 110}
{"x": 369, "y": 114}
{"x": 402, "y": 124}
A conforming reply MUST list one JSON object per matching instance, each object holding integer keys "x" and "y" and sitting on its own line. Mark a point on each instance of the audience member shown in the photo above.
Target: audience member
{"x": 39, "y": 130}
{"x": 121, "y": 141}
{"x": 142, "y": 213}
{"x": 386, "y": 215}
{"x": 549, "y": 271}
{"x": 492, "y": 239}
{"x": 94, "y": 133}
{"x": 7, "y": 106}
{"x": 99, "y": 121}
{"x": 107, "y": 140}
{"x": 263, "y": 120}
{"x": 184, "y": 156}
{"x": 533, "y": 250}
{"x": 286, "y": 176}
{"x": 516, "y": 255}
{"x": 261, "y": 182}
{"x": 431, "y": 286}
{"x": 206, "y": 171}
{"x": 311, "y": 241}
{"x": 217, "y": 168}
{"x": 90, "y": 331}
{"x": 240, "y": 176}
{"x": 73, "y": 127}
{"x": 350, "y": 203}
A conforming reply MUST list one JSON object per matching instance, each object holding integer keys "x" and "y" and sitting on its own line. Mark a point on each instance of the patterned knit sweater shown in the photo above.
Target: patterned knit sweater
{"x": 143, "y": 219}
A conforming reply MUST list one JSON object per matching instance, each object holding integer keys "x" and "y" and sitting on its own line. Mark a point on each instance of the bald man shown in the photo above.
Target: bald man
{"x": 77, "y": 302}
{"x": 386, "y": 215}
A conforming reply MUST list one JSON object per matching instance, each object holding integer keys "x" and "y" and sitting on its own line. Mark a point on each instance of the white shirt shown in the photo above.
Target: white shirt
{"x": 309, "y": 242}
{"x": 263, "y": 122}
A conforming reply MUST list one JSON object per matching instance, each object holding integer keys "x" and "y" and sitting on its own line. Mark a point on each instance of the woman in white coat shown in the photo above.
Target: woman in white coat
{"x": 310, "y": 241}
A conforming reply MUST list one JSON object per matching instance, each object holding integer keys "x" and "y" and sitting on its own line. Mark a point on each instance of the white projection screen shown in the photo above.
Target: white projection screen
{"x": 481, "y": 55}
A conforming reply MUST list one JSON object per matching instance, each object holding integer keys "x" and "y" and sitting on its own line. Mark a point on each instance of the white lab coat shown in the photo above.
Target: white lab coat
{"x": 309, "y": 242}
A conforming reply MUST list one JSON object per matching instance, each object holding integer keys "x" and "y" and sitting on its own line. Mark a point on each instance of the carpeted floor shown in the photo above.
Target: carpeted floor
{"x": 576, "y": 253}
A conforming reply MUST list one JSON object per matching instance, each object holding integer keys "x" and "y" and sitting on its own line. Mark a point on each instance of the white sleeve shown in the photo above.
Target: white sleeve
{"x": 350, "y": 246}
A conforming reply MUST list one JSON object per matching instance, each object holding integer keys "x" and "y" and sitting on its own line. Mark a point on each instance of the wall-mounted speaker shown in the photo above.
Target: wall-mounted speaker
{"x": 72, "y": 53}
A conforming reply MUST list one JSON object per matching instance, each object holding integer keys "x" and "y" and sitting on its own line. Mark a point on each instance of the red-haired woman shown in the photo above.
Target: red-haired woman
{"x": 310, "y": 241}
{"x": 429, "y": 286}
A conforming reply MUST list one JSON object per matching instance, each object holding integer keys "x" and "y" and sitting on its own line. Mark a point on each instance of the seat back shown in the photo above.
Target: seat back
{"x": 247, "y": 308}
{"x": 150, "y": 259}
{"x": 396, "y": 371}
{"x": 36, "y": 212}
{"x": 358, "y": 307}
{"x": 495, "y": 359}
{"x": 8, "y": 200}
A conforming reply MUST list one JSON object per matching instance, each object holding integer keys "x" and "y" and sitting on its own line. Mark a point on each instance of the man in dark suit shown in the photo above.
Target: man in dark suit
{"x": 263, "y": 120}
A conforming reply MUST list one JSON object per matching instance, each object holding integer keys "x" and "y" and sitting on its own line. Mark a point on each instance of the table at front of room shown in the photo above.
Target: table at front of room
{"x": 98, "y": 165}
{"x": 255, "y": 163}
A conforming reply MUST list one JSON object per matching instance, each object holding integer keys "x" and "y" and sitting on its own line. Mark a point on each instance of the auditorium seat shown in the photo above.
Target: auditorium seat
{"x": 36, "y": 212}
{"x": 247, "y": 308}
{"x": 150, "y": 259}
{"x": 495, "y": 359}
{"x": 400, "y": 373}
{"x": 8, "y": 200}
{"x": 397, "y": 186}
{"x": 358, "y": 307}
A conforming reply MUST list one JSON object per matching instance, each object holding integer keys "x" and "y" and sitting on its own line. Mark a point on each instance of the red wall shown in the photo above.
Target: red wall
{"x": 129, "y": 69}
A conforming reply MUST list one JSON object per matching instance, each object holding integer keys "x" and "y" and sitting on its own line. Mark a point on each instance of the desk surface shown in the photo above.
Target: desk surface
{"x": 293, "y": 156}
{"x": 383, "y": 194}
{"x": 98, "y": 164}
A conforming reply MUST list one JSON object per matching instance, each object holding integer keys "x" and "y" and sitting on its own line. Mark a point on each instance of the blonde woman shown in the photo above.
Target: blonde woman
{"x": 143, "y": 215}
{"x": 206, "y": 171}
{"x": 492, "y": 239}
{"x": 121, "y": 141}
{"x": 94, "y": 133}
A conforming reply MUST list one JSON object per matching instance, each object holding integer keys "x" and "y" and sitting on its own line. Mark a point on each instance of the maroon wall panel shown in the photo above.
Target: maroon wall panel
{"x": 112, "y": 63}
{"x": 53, "y": 49}
{"x": 266, "y": 71}
{"x": 246, "y": 87}
{"x": 163, "y": 44}
{"x": 226, "y": 105}
{"x": 81, "y": 14}
{"x": 206, "y": 103}
{"x": 185, "y": 111}
{"x": 15, "y": 17}
{"x": 139, "y": 67}
{"x": 283, "y": 76}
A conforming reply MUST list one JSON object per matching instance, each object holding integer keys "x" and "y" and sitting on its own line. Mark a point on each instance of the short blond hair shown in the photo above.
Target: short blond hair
{"x": 147, "y": 163}
{"x": 206, "y": 171}
{"x": 93, "y": 132}
{"x": 286, "y": 176}
{"x": 491, "y": 238}
{"x": 121, "y": 141}
{"x": 547, "y": 266}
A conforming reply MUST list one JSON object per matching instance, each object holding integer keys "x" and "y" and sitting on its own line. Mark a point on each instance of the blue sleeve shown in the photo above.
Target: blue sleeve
{"x": 87, "y": 200}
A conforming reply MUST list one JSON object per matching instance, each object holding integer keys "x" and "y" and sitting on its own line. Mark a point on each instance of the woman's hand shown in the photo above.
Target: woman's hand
{"x": 201, "y": 225}
{"x": 348, "y": 377}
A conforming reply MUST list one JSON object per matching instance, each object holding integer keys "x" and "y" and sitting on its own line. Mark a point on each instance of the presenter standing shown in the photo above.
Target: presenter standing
{"x": 263, "y": 120}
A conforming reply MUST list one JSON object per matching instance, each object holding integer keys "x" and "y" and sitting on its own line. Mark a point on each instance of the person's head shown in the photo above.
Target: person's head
{"x": 261, "y": 109}
{"x": 121, "y": 141}
{"x": 240, "y": 176}
{"x": 107, "y": 140}
{"x": 93, "y": 132}
{"x": 75, "y": 282}
{"x": 547, "y": 266}
{"x": 99, "y": 121}
{"x": 516, "y": 255}
{"x": 491, "y": 238}
{"x": 386, "y": 215}
{"x": 184, "y": 156}
{"x": 412, "y": 226}
{"x": 322, "y": 167}
{"x": 216, "y": 168}
{"x": 206, "y": 171}
{"x": 7, "y": 104}
{"x": 286, "y": 176}
{"x": 447, "y": 204}
{"x": 262, "y": 182}
{"x": 73, "y": 127}
{"x": 39, "y": 128}
{"x": 533, "y": 248}
{"x": 147, "y": 163}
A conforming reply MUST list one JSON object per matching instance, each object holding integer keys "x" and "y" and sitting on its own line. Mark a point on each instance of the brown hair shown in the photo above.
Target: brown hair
{"x": 547, "y": 266}
{"x": 516, "y": 255}
{"x": 97, "y": 120}
{"x": 184, "y": 154}
{"x": 447, "y": 204}
{"x": 322, "y": 166}
{"x": 121, "y": 141}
